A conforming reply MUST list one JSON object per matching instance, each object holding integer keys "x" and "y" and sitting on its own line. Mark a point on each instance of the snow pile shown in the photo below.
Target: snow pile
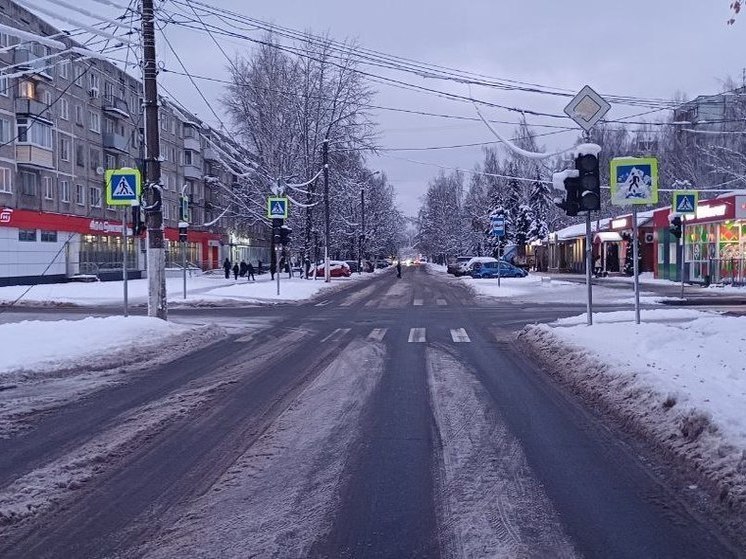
{"x": 679, "y": 378}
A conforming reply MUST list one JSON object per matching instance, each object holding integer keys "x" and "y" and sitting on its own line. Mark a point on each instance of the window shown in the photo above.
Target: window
{"x": 48, "y": 98}
{"x": 189, "y": 131}
{"x": 26, "y": 89}
{"x": 79, "y": 72}
{"x": 4, "y": 131}
{"x": 111, "y": 161}
{"x": 49, "y": 236}
{"x": 108, "y": 90}
{"x": 166, "y": 212}
{"x": 64, "y": 67}
{"x": 94, "y": 196}
{"x": 4, "y": 86}
{"x": 64, "y": 191}
{"x": 64, "y": 109}
{"x": 28, "y": 183}
{"x": 93, "y": 83}
{"x": 78, "y": 115}
{"x": 187, "y": 157}
{"x": 4, "y": 40}
{"x": 34, "y": 132}
{"x": 5, "y": 185}
{"x": 94, "y": 121}
{"x": 94, "y": 159}
{"x": 27, "y": 235}
{"x": 79, "y": 195}
{"x": 48, "y": 192}
{"x": 80, "y": 155}
{"x": 64, "y": 148}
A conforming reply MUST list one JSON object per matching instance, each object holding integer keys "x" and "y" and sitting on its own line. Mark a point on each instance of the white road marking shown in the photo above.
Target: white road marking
{"x": 459, "y": 335}
{"x": 347, "y": 303}
{"x": 322, "y": 304}
{"x": 377, "y": 334}
{"x": 336, "y": 335}
{"x": 371, "y": 303}
{"x": 245, "y": 339}
{"x": 417, "y": 335}
{"x": 418, "y": 302}
{"x": 442, "y": 302}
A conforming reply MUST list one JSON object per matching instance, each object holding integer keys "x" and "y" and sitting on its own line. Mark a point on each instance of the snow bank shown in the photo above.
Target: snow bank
{"x": 679, "y": 378}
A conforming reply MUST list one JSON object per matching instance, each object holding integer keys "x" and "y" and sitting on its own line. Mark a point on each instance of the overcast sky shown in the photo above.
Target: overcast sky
{"x": 633, "y": 48}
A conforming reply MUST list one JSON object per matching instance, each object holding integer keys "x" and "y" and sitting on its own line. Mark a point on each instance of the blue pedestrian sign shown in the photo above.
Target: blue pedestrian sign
{"x": 498, "y": 226}
{"x": 123, "y": 187}
{"x": 685, "y": 202}
{"x": 277, "y": 207}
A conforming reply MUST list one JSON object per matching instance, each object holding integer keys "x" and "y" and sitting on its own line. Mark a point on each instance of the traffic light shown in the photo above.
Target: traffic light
{"x": 590, "y": 182}
{"x": 184, "y": 208}
{"x": 182, "y": 234}
{"x": 276, "y": 228}
{"x": 571, "y": 203}
{"x": 675, "y": 228}
{"x": 285, "y": 232}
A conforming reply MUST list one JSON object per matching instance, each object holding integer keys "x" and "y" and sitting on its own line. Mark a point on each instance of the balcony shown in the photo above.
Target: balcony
{"x": 24, "y": 60}
{"x": 210, "y": 154}
{"x": 116, "y": 105}
{"x": 192, "y": 144}
{"x": 192, "y": 172}
{"x": 32, "y": 107}
{"x": 115, "y": 142}
{"x": 34, "y": 156}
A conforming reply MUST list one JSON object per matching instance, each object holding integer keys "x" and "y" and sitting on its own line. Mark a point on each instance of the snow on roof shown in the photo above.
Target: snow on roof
{"x": 731, "y": 193}
{"x": 578, "y": 230}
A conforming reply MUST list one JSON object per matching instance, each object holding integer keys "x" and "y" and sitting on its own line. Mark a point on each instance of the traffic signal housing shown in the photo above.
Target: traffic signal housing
{"x": 285, "y": 233}
{"x": 571, "y": 203}
{"x": 589, "y": 177}
{"x": 675, "y": 228}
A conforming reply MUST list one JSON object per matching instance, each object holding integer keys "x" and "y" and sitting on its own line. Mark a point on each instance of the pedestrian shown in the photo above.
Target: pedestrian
{"x": 259, "y": 267}
{"x": 242, "y": 269}
{"x": 289, "y": 269}
{"x": 227, "y": 268}
{"x": 398, "y": 268}
{"x": 250, "y": 272}
{"x": 235, "y": 271}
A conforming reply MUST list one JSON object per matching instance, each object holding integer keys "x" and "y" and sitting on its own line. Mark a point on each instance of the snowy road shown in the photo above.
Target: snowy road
{"x": 390, "y": 419}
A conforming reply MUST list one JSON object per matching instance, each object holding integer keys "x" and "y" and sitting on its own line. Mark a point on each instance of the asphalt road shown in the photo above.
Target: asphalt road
{"x": 460, "y": 448}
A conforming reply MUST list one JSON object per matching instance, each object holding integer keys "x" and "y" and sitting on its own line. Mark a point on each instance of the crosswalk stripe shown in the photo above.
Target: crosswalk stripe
{"x": 417, "y": 335}
{"x": 245, "y": 339}
{"x": 459, "y": 335}
{"x": 322, "y": 304}
{"x": 346, "y": 304}
{"x": 377, "y": 334}
{"x": 418, "y": 302}
{"x": 336, "y": 335}
{"x": 371, "y": 303}
{"x": 442, "y": 302}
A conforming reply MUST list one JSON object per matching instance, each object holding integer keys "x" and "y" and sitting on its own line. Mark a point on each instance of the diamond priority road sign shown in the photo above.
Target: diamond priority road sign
{"x": 277, "y": 207}
{"x": 587, "y": 108}
{"x": 685, "y": 202}
{"x": 123, "y": 186}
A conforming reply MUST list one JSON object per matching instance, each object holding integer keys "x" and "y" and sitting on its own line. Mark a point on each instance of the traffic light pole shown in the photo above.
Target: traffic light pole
{"x": 636, "y": 264}
{"x": 588, "y": 264}
{"x": 124, "y": 260}
{"x": 327, "y": 277}
{"x": 683, "y": 254}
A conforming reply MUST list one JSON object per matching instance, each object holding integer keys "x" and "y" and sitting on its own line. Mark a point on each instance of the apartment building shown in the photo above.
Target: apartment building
{"x": 65, "y": 120}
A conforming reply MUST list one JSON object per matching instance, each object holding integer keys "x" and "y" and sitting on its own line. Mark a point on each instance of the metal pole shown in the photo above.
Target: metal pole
{"x": 327, "y": 278}
{"x": 157, "y": 304}
{"x": 124, "y": 261}
{"x": 636, "y": 264}
{"x": 683, "y": 254}
{"x": 362, "y": 232}
{"x": 499, "y": 259}
{"x": 184, "y": 263}
{"x": 277, "y": 267}
{"x": 588, "y": 264}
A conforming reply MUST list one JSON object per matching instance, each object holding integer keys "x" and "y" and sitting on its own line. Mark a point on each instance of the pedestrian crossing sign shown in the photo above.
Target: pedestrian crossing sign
{"x": 277, "y": 207}
{"x": 123, "y": 187}
{"x": 685, "y": 202}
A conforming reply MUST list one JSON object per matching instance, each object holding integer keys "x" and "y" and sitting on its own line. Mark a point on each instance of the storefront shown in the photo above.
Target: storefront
{"x": 613, "y": 243}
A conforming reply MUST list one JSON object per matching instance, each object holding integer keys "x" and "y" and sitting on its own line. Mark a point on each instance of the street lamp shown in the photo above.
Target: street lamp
{"x": 361, "y": 237}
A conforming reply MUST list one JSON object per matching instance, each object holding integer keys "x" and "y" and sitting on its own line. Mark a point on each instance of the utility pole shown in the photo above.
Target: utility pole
{"x": 157, "y": 305}
{"x": 360, "y": 252}
{"x": 327, "y": 279}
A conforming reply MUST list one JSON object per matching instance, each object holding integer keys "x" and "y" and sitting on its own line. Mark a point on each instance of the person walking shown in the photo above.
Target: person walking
{"x": 235, "y": 271}
{"x": 250, "y": 272}
{"x": 227, "y": 268}
{"x": 259, "y": 267}
{"x": 242, "y": 269}
{"x": 398, "y": 268}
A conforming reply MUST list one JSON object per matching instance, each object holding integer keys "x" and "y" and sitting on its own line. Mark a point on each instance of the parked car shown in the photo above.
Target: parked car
{"x": 337, "y": 269}
{"x": 381, "y": 264}
{"x": 353, "y": 265}
{"x": 469, "y": 265}
{"x": 455, "y": 264}
{"x": 491, "y": 269}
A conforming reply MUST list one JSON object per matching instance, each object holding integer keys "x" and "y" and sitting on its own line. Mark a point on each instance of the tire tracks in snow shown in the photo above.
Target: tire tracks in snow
{"x": 489, "y": 504}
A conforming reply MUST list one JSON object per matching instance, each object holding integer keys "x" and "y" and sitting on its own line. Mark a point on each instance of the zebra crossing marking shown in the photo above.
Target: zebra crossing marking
{"x": 417, "y": 335}
{"x": 336, "y": 335}
{"x": 377, "y": 334}
{"x": 459, "y": 335}
{"x": 418, "y": 302}
{"x": 441, "y": 302}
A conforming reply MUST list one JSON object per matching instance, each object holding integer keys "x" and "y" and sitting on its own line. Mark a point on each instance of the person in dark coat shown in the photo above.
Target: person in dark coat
{"x": 235, "y": 271}
{"x": 242, "y": 269}
{"x": 259, "y": 268}
{"x": 398, "y": 268}
{"x": 227, "y": 268}
{"x": 250, "y": 272}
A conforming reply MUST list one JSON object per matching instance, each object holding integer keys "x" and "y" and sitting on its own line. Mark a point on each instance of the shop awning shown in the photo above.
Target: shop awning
{"x": 607, "y": 237}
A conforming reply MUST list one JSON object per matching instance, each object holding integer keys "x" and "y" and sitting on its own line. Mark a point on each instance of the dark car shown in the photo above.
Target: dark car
{"x": 454, "y": 266}
{"x": 490, "y": 270}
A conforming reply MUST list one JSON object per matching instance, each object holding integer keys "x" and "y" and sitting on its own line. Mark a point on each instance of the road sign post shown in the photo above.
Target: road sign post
{"x": 498, "y": 230}
{"x": 684, "y": 204}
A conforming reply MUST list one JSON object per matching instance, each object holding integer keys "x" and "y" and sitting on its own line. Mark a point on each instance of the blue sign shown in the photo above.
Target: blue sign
{"x": 498, "y": 226}
{"x": 122, "y": 187}
{"x": 685, "y": 202}
{"x": 277, "y": 207}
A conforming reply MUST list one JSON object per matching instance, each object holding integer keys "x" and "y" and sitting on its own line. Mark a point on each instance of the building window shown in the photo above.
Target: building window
{"x": 28, "y": 183}
{"x": 5, "y": 185}
{"x": 4, "y": 40}
{"x": 48, "y": 192}
{"x": 27, "y": 235}
{"x": 64, "y": 109}
{"x": 4, "y": 86}
{"x": 94, "y": 196}
{"x": 79, "y": 195}
{"x": 80, "y": 155}
{"x": 94, "y": 122}
{"x": 78, "y": 115}
{"x": 48, "y": 236}
{"x": 64, "y": 191}
{"x": 188, "y": 159}
{"x": 64, "y": 69}
{"x": 34, "y": 132}
{"x": 4, "y": 131}
{"x": 79, "y": 72}
{"x": 48, "y": 98}
{"x": 64, "y": 148}
{"x": 26, "y": 89}
{"x": 111, "y": 161}
{"x": 94, "y": 159}
{"x": 93, "y": 84}
{"x": 108, "y": 90}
